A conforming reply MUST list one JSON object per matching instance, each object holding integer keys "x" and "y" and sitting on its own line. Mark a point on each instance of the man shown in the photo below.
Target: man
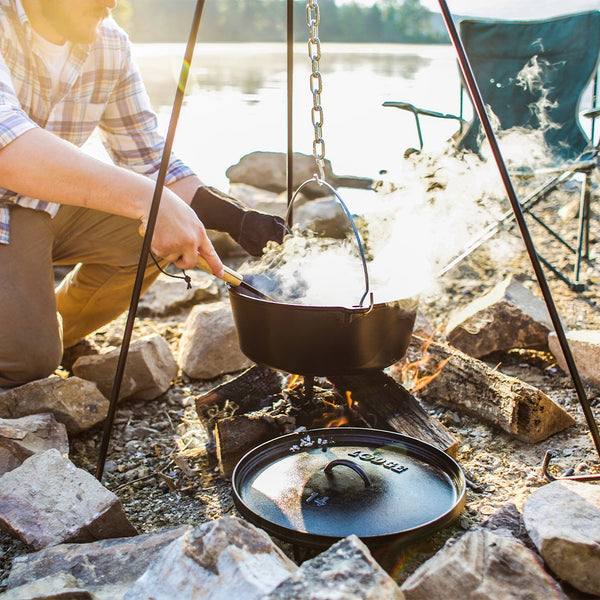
{"x": 66, "y": 69}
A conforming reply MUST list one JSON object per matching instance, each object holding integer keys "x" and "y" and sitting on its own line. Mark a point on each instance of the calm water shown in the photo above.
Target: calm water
{"x": 236, "y": 101}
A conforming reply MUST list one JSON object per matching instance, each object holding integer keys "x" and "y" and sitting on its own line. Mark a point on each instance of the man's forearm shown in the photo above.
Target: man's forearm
{"x": 41, "y": 165}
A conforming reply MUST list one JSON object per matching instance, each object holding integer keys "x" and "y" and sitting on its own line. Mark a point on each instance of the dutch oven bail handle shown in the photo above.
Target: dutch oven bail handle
{"x": 288, "y": 218}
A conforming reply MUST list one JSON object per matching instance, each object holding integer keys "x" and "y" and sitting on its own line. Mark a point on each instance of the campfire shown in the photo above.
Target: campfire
{"x": 282, "y": 404}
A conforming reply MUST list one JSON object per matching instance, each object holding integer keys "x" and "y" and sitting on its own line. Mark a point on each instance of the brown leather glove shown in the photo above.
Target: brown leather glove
{"x": 251, "y": 229}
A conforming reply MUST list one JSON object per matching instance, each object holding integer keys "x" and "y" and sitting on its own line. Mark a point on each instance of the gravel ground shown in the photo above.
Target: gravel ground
{"x": 159, "y": 467}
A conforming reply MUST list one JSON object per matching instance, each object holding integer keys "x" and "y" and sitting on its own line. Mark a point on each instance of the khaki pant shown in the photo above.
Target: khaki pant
{"x": 106, "y": 250}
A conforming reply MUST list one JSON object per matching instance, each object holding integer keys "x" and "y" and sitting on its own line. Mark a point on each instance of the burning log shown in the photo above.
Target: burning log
{"x": 469, "y": 385}
{"x": 250, "y": 390}
{"x": 387, "y": 405}
{"x": 234, "y": 436}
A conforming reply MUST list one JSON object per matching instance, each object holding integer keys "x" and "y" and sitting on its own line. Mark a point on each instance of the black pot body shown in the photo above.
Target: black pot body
{"x": 322, "y": 340}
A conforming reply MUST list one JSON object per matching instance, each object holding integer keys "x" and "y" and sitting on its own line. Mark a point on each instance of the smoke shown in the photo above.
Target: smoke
{"x": 419, "y": 219}
{"x": 410, "y": 228}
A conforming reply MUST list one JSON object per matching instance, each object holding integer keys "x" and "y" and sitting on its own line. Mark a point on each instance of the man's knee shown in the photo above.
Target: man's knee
{"x": 37, "y": 361}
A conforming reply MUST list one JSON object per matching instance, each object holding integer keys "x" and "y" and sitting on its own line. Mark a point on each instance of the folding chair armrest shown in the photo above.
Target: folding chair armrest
{"x": 421, "y": 111}
{"x": 416, "y": 111}
{"x": 592, "y": 114}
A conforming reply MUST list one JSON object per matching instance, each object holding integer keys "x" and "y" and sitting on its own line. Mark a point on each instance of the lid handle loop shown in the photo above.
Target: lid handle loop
{"x": 348, "y": 463}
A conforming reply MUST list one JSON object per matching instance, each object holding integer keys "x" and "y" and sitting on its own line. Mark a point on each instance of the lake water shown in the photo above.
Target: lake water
{"x": 236, "y": 101}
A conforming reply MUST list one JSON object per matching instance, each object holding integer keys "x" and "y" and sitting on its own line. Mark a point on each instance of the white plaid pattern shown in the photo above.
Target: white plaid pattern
{"x": 100, "y": 87}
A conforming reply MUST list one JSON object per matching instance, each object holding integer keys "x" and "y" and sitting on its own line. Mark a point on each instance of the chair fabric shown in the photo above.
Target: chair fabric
{"x": 561, "y": 56}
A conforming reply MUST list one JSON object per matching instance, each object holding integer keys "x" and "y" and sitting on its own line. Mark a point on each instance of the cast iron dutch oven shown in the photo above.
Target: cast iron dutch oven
{"x": 323, "y": 340}
{"x": 315, "y": 487}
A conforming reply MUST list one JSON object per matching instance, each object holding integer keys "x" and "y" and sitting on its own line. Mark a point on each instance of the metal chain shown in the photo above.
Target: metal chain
{"x": 316, "y": 84}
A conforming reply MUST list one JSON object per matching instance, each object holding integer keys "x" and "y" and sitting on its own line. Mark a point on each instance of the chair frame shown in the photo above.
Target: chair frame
{"x": 585, "y": 165}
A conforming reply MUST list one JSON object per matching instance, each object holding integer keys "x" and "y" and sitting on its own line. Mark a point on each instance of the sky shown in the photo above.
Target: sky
{"x": 508, "y": 9}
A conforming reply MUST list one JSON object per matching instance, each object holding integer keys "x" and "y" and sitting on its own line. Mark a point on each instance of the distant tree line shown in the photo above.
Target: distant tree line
{"x": 386, "y": 21}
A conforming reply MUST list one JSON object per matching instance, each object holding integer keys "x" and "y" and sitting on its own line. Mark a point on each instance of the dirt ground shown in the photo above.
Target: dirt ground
{"x": 148, "y": 437}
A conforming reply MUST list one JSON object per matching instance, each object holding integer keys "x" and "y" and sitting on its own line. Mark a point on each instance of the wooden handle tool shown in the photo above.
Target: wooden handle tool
{"x": 232, "y": 277}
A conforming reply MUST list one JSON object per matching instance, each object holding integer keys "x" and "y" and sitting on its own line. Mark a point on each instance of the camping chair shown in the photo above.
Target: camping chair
{"x": 565, "y": 50}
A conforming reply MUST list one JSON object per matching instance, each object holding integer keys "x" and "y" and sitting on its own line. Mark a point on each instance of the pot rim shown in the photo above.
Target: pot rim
{"x": 412, "y": 303}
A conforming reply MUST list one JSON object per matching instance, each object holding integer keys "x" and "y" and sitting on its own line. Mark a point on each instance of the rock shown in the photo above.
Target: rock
{"x": 167, "y": 295}
{"x": 482, "y": 566}
{"x": 53, "y": 587}
{"x": 274, "y": 203}
{"x": 47, "y": 501}
{"x": 509, "y": 521}
{"x": 209, "y": 345}
{"x": 346, "y": 571}
{"x": 76, "y": 403}
{"x": 106, "y": 568}
{"x": 325, "y": 217}
{"x": 268, "y": 171}
{"x": 509, "y": 316}
{"x": 585, "y": 348}
{"x": 225, "y": 559}
{"x": 149, "y": 371}
{"x": 21, "y": 438}
{"x": 563, "y": 521}
{"x": 422, "y": 327}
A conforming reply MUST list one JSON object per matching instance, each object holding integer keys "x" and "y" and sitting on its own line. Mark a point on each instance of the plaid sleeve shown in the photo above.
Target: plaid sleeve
{"x": 129, "y": 127}
{"x": 13, "y": 120}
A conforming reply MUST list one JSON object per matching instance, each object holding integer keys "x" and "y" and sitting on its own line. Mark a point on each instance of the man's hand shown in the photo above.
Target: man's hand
{"x": 179, "y": 236}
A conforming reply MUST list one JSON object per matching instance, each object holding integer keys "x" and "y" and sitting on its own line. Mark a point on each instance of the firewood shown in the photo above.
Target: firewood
{"x": 387, "y": 405}
{"x": 470, "y": 386}
{"x": 248, "y": 390}
{"x": 237, "y": 435}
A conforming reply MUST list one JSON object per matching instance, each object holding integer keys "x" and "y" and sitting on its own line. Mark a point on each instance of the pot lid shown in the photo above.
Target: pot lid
{"x": 318, "y": 486}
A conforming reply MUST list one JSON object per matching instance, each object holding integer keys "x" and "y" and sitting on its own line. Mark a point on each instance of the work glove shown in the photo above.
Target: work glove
{"x": 251, "y": 229}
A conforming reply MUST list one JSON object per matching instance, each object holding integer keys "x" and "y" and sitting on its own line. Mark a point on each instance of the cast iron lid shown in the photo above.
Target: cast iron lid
{"x": 321, "y": 485}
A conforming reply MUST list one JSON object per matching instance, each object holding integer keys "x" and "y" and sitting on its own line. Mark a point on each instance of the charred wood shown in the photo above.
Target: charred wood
{"x": 385, "y": 404}
{"x": 234, "y": 436}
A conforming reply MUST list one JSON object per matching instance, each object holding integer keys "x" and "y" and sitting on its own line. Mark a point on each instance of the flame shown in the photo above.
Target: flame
{"x": 410, "y": 374}
{"x": 337, "y": 416}
{"x": 293, "y": 382}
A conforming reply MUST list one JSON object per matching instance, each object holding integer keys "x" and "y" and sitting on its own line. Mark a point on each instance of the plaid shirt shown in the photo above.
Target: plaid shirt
{"x": 100, "y": 87}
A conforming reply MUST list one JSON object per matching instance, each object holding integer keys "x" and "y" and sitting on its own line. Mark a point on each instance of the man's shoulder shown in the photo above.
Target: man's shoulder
{"x": 111, "y": 33}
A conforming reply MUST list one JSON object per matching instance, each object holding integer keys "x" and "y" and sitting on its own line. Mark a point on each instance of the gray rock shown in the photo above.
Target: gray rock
{"x": 21, "y": 438}
{"x": 509, "y": 521}
{"x": 325, "y": 217}
{"x": 76, "y": 403}
{"x": 585, "y": 348}
{"x": 225, "y": 559}
{"x": 509, "y": 316}
{"x": 47, "y": 501}
{"x": 209, "y": 345}
{"x": 106, "y": 569}
{"x": 149, "y": 371}
{"x": 268, "y": 171}
{"x": 273, "y": 203}
{"x": 346, "y": 571}
{"x": 168, "y": 295}
{"x": 563, "y": 521}
{"x": 60, "y": 586}
{"x": 482, "y": 566}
